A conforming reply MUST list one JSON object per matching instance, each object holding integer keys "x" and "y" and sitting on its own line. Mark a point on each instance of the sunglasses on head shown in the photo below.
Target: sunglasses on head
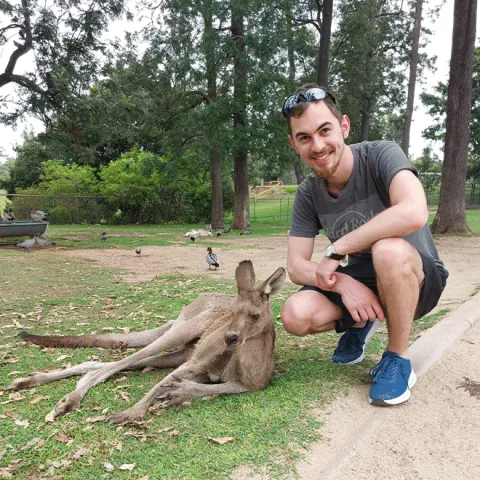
{"x": 310, "y": 95}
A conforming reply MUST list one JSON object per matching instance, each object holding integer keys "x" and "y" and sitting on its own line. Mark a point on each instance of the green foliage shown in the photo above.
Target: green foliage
{"x": 436, "y": 103}
{"x": 370, "y": 49}
{"x": 148, "y": 188}
{"x": 429, "y": 167}
{"x": 66, "y": 39}
{"x": 290, "y": 188}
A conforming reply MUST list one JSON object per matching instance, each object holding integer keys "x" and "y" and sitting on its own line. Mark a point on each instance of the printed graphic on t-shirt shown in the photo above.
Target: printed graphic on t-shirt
{"x": 338, "y": 224}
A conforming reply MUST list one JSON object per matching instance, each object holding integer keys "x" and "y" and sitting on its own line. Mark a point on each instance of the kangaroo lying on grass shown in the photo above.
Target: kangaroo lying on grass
{"x": 219, "y": 345}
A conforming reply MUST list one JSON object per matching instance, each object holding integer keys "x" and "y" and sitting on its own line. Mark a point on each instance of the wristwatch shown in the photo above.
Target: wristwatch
{"x": 330, "y": 253}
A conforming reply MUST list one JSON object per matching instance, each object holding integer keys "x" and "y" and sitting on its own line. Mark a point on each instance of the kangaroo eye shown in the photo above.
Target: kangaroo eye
{"x": 255, "y": 316}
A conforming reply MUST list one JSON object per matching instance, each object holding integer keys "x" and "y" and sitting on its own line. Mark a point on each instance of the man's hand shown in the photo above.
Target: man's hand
{"x": 360, "y": 301}
{"x": 325, "y": 273}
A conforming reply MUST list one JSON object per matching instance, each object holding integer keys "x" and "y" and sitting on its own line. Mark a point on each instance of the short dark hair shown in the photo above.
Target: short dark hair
{"x": 299, "y": 108}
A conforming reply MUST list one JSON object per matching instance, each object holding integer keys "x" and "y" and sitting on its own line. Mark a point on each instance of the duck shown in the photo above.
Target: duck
{"x": 138, "y": 251}
{"x": 212, "y": 259}
{"x": 102, "y": 236}
{"x": 38, "y": 215}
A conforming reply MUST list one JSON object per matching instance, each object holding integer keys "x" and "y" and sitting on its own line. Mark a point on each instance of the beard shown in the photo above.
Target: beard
{"x": 327, "y": 171}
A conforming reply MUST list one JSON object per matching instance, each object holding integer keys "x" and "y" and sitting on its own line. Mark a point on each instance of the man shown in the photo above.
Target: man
{"x": 381, "y": 262}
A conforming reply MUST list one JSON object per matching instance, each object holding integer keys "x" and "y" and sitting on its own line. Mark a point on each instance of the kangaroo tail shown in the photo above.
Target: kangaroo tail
{"x": 110, "y": 341}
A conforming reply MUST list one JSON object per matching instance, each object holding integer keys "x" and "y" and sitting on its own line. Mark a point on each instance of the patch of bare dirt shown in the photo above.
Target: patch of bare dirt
{"x": 460, "y": 254}
{"x": 187, "y": 258}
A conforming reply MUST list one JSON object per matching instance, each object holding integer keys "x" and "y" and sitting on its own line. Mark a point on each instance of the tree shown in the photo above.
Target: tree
{"x": 413, "y": 76}
{"x": 66, "y": 40}
{"x": 241, "y": 214}
{"x": 450, "y": 217}
{"x": 319, "y": 15}
{"x": 368, "y": 49}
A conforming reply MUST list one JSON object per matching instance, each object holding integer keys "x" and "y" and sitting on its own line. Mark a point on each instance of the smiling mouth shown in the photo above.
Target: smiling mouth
{"x": 322, "y": 159}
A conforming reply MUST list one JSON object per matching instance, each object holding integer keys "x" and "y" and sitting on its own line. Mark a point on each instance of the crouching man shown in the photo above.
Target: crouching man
{"x": 381, "y": 263}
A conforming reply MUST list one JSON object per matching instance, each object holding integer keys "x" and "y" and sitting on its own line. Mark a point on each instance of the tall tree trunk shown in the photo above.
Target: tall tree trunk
{"x": 450, "y": 217}
{"x": 241, "y": 216}
{"x": 365, "y": 122}
{"x": 413, "y": 76}
{"x": 216, "y": 216}
{"x": 324, "y": 49}
{"x": 297, "y": 163}
{"x": 367, "y": 89}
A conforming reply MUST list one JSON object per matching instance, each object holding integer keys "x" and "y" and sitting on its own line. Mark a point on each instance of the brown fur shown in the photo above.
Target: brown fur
{"x": 220, "y": 345}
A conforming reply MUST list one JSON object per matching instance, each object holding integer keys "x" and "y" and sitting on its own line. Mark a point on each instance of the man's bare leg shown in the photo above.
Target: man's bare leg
{"x": 308, "y": 312}
{"x": 399, "y": 270}
{"x": 400, "y": 274}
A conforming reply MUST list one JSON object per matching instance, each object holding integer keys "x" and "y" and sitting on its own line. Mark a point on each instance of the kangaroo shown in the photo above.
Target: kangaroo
{"x": 218, "y": 345}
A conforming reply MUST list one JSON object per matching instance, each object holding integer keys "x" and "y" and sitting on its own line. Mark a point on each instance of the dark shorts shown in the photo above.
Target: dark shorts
{"x": 363, "y": 271}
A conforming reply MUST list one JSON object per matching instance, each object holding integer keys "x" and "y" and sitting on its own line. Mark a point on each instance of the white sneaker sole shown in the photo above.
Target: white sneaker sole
{"x": 402, "y": 398}
{"x": 374, "y": 328}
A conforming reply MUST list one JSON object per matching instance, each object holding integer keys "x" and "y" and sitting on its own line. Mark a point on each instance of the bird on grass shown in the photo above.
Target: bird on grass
{"x": 194, "y": 235}
{"x": 212, "y": 259}
{"x": 102, "y": 236}
{"x": 219, "y": 233}
{"x": 138, "y": 251}
{"x": 246, "y": 232}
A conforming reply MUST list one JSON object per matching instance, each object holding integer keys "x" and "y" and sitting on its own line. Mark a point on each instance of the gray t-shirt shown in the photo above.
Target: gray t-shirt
{"x": 365, "y": 195}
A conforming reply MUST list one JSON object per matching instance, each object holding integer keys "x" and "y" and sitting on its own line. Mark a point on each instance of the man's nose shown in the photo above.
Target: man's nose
{"x": 318, "y": 144}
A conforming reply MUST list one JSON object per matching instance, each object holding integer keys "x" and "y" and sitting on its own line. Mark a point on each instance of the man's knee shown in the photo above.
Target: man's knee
{"x": 395, "y": 256}
{"x": 292, "y": 319}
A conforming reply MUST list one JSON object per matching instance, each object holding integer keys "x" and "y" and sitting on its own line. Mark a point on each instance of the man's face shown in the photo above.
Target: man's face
{"x": 319, "y": 138}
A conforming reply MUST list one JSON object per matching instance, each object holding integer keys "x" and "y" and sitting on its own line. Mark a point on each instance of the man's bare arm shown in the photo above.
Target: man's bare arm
{"x": 407, "y": 214}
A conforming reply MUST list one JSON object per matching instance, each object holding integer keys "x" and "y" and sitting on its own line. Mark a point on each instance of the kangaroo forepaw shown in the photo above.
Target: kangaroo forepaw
{"x": 131, "y": 414}
{"x": 69, "y": 402}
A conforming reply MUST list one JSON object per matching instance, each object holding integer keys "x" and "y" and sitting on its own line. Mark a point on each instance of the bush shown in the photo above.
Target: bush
{"x": 292, "y": 189}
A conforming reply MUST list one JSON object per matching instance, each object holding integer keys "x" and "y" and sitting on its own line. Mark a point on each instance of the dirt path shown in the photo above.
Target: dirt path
{"x": 433, "y": 436}
{"x": 460, "y": 254}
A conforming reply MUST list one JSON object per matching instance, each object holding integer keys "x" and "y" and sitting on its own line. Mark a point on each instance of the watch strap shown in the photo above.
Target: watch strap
{"x": 336, "y": 256}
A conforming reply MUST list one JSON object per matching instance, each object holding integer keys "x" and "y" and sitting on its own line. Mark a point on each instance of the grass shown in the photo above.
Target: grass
{"x": 55, "y": 296}
{"x": 48, "y": 293}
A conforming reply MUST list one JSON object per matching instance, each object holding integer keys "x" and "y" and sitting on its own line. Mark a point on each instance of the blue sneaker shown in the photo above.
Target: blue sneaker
{"x": 351, "y": 346}
{"x": 392, "y": 378}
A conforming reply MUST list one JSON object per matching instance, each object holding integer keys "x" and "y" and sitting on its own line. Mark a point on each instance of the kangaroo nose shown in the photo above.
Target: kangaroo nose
{"x": 231, "y": 338}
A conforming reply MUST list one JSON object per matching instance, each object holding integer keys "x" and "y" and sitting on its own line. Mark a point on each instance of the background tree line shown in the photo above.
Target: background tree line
{"x": 186, "y": 111}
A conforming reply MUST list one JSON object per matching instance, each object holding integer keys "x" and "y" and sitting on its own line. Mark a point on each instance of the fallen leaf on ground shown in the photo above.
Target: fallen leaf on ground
{"x": 221, "y": 440}
{"x": 127, "y": 466}
{"x": 38, "y": 399}
{"x": 50, "y": 417}
{"x": 22, "y": 423}
{"x": 96, "y": 419}
{"x": 108, "y": 467}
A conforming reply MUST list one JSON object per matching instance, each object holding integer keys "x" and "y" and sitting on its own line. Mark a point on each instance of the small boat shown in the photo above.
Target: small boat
{"x": 19, "y": 228}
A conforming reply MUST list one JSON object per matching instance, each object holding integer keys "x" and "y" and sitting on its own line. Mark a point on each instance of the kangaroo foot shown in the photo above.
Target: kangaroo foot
{"x": 132, "y": 414}
{"x": 69, "y": 402}
{"x": 20, "y": 383}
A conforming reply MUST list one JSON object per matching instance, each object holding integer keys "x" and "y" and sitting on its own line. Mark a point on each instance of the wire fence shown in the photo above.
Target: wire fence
{"x": 68, "y": 209}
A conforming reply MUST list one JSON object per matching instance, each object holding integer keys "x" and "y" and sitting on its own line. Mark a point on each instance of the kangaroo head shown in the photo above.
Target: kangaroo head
{"x": 251, "y": 312}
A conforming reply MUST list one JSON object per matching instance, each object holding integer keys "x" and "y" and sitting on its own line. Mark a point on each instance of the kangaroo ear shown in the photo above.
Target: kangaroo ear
{"x": 245, "y": 276}
{"x": 274, "y": 283}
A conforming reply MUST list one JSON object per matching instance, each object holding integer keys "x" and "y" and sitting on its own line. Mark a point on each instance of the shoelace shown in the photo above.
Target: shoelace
{"x": 387, "y": 369}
